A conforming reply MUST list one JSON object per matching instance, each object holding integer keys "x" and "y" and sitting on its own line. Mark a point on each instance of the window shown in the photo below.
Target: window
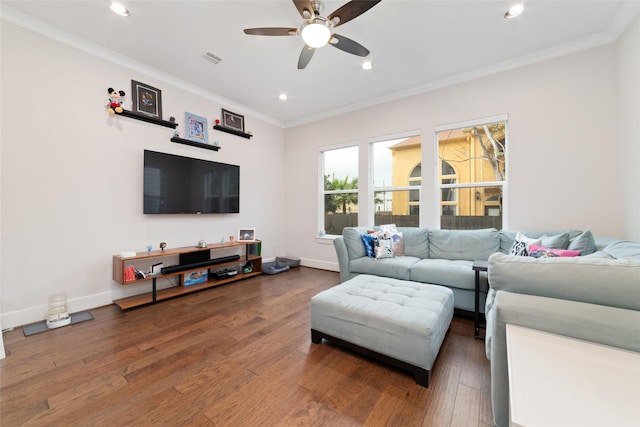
{"x": 472, "y": 174}
{"x": 339, "y": 178}
{"x": 397, "y": 179}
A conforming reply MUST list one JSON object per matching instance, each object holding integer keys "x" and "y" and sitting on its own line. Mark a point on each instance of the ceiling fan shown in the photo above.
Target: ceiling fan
{"x": 317, "y": 31}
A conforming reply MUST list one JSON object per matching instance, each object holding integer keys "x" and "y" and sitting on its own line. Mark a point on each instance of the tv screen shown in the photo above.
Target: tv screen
{"x": 175, "y": 184}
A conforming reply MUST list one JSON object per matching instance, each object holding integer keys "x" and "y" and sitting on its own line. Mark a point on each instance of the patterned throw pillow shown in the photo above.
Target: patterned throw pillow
{"x": 384, "y": 249}
{"x": 544, "y": 252}
{"x": 398, "y": 243}
{"x": 370, "y": 241}
{"x": 390, "y": 231}
{"x": 519, "y": 249}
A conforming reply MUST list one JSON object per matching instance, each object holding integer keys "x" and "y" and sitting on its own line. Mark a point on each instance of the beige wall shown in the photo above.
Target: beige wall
{"x": 628, "y": 137}
{"x": 562, "y": 116}
{"x": 71, "y": 176}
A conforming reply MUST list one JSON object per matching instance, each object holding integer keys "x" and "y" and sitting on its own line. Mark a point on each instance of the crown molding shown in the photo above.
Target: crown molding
{"x": 13, "y": 16}
{"x": 625, "y": 15}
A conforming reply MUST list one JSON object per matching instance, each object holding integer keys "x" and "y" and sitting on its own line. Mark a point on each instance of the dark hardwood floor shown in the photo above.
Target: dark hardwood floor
{"x": 234, "y": 355}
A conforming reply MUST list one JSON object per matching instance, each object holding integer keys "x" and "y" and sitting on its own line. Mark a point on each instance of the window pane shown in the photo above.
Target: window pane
{"x": 341, "y": 168}
{"x": 340, "y": 173}
{"x": 341, "y": 210}
{"x": 396, "y": 161}
{"x": 474, "y": 154}
{"x": 397, "y": 207}
{"x": 468, "y": 157}
{"x": 473, "y": 208}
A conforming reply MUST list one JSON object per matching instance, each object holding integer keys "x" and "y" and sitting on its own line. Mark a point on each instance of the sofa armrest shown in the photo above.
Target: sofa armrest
{"x": 591, "y": 322}
{"x": 343, "y": 258}
{"x": 612, "y": 282}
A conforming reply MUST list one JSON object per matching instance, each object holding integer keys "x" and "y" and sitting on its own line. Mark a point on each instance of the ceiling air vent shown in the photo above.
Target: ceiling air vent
{"x": 211, "y": 57}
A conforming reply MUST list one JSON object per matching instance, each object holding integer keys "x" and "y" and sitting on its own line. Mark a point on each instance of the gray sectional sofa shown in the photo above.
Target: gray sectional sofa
{"x": 445, "y": 257}
{"x": 593, "y": 297}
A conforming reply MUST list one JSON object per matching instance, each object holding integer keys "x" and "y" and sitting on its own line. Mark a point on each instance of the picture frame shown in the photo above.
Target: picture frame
{"x": 196, "y": 128}
{"x": 232, "y": 120}
{"x": 247, "y": 235}
{"x": 147, "y": 99}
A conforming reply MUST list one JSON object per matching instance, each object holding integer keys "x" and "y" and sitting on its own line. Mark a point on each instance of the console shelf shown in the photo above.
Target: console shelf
{"x": 195, "y": 144}
{"x": 143, "y": 260}
{"x": 232, "y": 131}
{"x": 147, "y": 119}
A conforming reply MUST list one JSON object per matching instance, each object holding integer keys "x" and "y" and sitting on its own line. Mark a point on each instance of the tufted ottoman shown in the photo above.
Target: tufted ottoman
{"x": 399, "y": 322}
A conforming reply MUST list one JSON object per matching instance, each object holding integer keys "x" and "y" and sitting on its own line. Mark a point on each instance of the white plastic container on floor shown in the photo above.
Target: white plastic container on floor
{"x": 58, "y": 313}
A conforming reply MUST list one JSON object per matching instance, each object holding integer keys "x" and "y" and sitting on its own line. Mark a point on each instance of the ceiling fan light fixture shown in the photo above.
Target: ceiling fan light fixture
{"x": 316, "y": 33}
{"x": 118, "y": 8}
{"x": 514, "y": 11}
{"x": 367, "y": 65}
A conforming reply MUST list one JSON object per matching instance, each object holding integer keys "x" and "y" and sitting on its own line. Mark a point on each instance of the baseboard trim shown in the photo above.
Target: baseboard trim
{"x": 322, "y": 265}
{"x": 37, "y": 313}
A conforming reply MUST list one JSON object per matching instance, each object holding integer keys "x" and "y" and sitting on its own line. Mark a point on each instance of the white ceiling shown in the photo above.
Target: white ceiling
{"x": 415, "y": 46}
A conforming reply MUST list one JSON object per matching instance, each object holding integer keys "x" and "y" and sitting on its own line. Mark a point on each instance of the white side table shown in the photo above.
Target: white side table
{"x": 560, "y": 381}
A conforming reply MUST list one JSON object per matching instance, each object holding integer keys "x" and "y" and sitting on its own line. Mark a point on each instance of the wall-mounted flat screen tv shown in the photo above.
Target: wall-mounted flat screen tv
{"x": 176, "y": 185}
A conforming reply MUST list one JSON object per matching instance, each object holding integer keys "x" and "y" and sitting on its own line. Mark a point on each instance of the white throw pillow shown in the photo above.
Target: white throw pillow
{"x": 528, "y": 240}
{"x": 521, "y": 245}
{"x": 384, "y": 249}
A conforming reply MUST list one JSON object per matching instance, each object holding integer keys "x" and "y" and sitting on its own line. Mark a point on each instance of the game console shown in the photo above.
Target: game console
{"x": 223, "y": 273}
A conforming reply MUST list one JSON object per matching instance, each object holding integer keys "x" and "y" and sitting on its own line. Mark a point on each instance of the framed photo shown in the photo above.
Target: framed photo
{"x": 196, "y": 128}
{"x": 146, "y": 99}
{"x": 247, "y": 235}
{"x": 232, "y": 120}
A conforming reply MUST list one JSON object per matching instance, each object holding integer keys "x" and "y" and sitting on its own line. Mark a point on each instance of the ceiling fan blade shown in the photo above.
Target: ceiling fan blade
{"x": 271, "y": 31}
{"x": 351, "y": 10}
{"x": 348, "y": 45}
{"x": 304, "y": 5}
{"x": 305, "y": 56}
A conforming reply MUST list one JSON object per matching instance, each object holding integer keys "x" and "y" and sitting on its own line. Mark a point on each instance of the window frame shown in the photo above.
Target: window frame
{"x": 371, "y": 190}
{"x": 439, "y": 186}
{"x": 322, "y": 192}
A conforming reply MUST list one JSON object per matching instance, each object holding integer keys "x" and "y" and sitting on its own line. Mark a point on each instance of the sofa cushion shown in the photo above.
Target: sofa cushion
{"x": 615, "y": 283}
{"x": 463, "y": 244}
{"x": 559, "y": 241}
{"x": 584, "y": 242}
{"x": 451, "y": 273}
{"x": 396, "y": 267}
{"x": 353, "y": 241}
{"x": 599, "y": 254}
{"x": 415, "y": 241}
{"x": 623, "y": 249}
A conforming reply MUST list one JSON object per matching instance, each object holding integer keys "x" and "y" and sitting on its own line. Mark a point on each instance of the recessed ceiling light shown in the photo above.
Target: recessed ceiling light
{"x": 283, "y": 97}
{"x": 118, "y": 8}
{"x": 367, "y": 65}
{"x": 514, "y": 11}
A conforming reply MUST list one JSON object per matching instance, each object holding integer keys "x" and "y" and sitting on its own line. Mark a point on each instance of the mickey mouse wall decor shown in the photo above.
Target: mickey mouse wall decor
{"x": 116, "y": 99}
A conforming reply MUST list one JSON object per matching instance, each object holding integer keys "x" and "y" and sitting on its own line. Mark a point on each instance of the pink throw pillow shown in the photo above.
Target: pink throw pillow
{"x": 541, "y": 251}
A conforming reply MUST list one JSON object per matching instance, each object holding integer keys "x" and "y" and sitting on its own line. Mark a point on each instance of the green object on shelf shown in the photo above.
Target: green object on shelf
{"x": 256, "y": 249}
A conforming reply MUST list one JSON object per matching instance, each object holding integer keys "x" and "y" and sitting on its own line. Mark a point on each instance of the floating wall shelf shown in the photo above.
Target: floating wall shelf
{"x": 195, "y": 144}
{"x": 232, "y": 131}
{"x": 148, "y": 119}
